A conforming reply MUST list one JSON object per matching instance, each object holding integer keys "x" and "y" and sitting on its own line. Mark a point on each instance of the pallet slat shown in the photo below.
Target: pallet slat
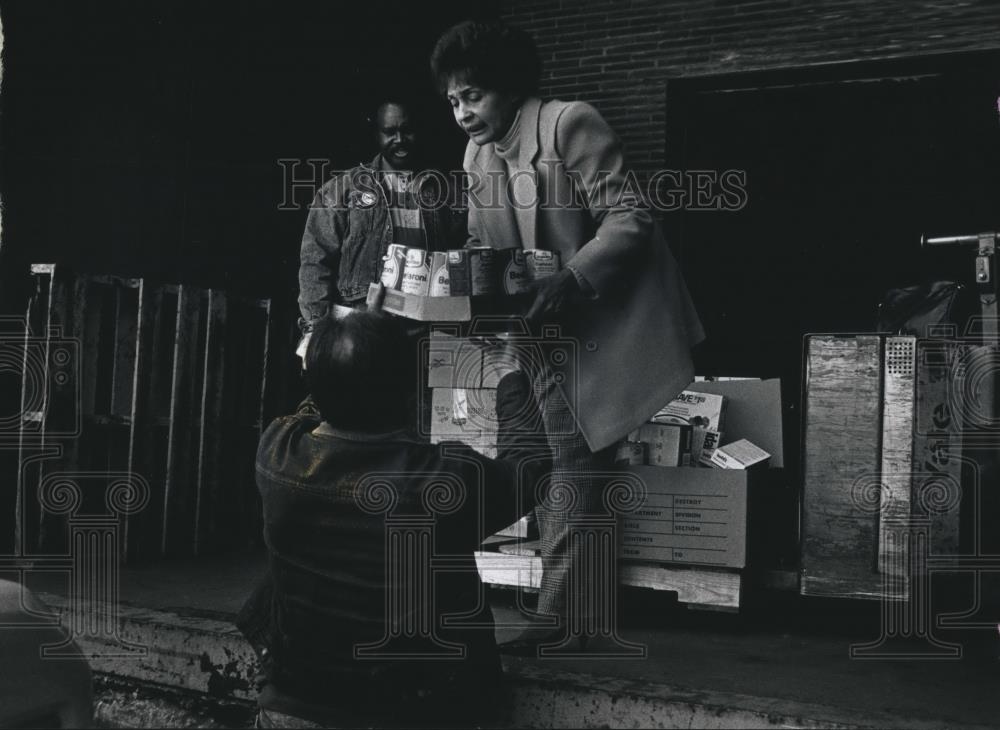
{"x": 707, "y": 588}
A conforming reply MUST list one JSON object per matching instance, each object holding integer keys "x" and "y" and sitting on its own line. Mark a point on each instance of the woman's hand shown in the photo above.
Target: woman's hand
{"x": 553, "y": 295}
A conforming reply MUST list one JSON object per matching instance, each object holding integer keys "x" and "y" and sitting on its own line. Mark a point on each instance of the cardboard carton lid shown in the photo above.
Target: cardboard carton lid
{"x": 753, "y": 412}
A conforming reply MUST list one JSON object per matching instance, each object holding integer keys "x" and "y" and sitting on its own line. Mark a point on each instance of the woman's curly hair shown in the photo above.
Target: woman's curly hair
{"x": 489, "y": 54}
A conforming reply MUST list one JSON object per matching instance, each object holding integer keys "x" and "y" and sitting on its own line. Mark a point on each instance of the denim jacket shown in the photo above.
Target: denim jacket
{"x": 349, "y": 229}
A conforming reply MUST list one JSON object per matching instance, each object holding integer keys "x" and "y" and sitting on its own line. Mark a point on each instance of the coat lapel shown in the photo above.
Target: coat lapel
{"x": 525, "y": 186}
{"x": 503, "y": 226}
{"x": 495, "y": 217}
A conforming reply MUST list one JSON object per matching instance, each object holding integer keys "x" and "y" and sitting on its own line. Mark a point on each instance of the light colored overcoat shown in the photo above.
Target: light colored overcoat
{"x": 633, "y": 336}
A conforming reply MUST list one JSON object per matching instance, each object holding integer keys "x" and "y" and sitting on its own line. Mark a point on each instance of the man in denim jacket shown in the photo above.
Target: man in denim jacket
{"x": 356, "y": 215}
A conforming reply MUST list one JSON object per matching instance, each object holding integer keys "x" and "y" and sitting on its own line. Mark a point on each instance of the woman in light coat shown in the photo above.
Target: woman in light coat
{"x": 550, "y": 175}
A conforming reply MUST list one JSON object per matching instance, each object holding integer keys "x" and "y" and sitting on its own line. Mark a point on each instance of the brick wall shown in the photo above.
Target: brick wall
{"x": 618, "y": 55}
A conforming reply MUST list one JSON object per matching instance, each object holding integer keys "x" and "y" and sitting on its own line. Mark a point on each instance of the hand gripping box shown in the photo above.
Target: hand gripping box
{"x": 703, "y": 516}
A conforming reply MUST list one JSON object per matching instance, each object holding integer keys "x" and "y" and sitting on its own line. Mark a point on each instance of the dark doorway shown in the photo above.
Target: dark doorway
{"x": 846, "y": 166}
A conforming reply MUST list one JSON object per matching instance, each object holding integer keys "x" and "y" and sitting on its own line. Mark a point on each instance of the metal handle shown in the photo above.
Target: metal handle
{"x": 956, "y": 240}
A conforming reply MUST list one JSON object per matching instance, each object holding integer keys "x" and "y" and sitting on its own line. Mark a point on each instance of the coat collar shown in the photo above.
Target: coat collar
{"x": 529, "y": 132}
{"x": 530, "y": 111}
{"x": 500, "y": 221}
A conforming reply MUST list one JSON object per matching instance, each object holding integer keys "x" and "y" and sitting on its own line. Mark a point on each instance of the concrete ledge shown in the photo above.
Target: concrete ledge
{"x": 547, "y": 698}
{"x": 129, "y": 704}
{"x": 190, "y": 653}
{"x": 209, "y": 663}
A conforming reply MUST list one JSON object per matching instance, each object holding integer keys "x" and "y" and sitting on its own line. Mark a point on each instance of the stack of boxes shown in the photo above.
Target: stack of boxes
{"x": 676, "y": 435}
{"x": 699, "y": 516}
{"x": 463, "y": 392}
{"x": 688, "y": 432}
{"x": 693, "y": 516}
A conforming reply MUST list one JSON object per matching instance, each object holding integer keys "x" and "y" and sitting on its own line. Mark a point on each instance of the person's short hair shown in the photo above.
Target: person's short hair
{"x": 400, "y": 98}
{"x": 489, "y": 54}
{"x": 361, "y": 371}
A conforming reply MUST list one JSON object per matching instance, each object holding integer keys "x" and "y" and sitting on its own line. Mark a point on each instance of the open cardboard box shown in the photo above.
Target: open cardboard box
{"x": 425, "y": 309}
{"x": 699, "y": 515}
{"x": 497, "y": 312}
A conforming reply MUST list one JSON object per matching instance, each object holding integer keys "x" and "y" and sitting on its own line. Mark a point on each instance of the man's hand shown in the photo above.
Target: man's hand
{"x": 553, "y": 295}
{"x": 303, "y": 346}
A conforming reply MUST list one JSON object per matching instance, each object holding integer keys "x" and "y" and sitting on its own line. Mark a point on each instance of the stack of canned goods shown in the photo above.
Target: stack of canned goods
{"x": 415, "y": 271}
{"x": 466, "y": 271}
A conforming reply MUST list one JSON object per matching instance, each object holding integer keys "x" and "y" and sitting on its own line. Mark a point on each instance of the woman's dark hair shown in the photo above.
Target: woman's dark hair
{"x": 489, "y": 54}
{"x": 362, "y": 371}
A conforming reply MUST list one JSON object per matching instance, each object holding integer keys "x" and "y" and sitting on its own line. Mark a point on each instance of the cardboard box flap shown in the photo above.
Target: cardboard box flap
{"x": 753, "y": 412}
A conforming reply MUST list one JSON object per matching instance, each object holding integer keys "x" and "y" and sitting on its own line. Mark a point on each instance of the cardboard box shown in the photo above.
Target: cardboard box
{"x": 740, "y": 454}
{"x": 667, "y": 444}
{"x": 701, "y": 454}
{"x": 463, "y": 362}
{"x": 467, "y": 415}
{"x": 453, "y": 362}
{"x": 702, "y": 516}
{"x": 630, "y": 453}
{"x": 693, "y": 408}
{"x": 753, "y": 412}
{"x": 426, "y": 309}
{"x": 696, "y": 516}
{"x": 450, "y": 417}
{"x": 501, "y": 310}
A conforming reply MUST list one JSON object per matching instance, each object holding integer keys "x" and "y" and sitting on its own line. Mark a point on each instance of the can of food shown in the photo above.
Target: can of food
{"x": 393, "y": 264}
{"x": 440, "y": 282}
{"x": 515, "y": 271}
{"x": 630, "y": 453}
{"x": 541, "y": 263}
{"x": 416, "y": 273}
{"x": 459, "y": 274}
{"x": 483, "y": 271}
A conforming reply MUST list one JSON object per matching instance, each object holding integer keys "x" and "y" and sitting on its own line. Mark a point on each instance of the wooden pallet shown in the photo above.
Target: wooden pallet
{"x": 518, "y": 564}
{"x": 883, "y": 455}
{"x": 842, "y": 486}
